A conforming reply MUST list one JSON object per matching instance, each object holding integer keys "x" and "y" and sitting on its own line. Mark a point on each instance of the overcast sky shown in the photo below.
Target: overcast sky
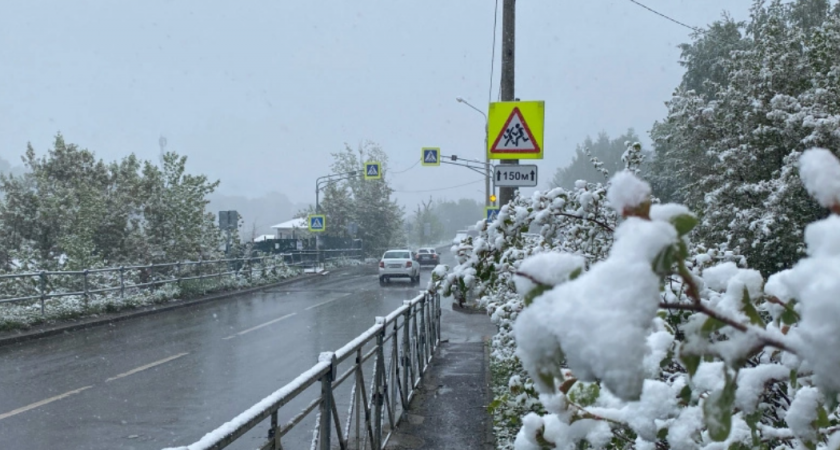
{"x": 258, "y": 93}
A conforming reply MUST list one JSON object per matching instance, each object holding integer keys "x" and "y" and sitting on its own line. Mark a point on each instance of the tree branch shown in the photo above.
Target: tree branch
{"x": 531, "y": 278}
{"x": 701, "y": 308}
{"x": 595, "y": 221}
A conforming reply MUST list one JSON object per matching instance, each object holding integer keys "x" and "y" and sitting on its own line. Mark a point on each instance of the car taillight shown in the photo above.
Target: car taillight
{"x": 381, "y": 264}
{"x": 408, "y": 263}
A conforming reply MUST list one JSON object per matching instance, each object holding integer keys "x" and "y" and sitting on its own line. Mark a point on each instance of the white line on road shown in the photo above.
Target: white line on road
{"x": 147, "y": 366}
{"x": 328, "y": 301}
{"x": 259, "y": 326}
{"x": 42, "y": 403}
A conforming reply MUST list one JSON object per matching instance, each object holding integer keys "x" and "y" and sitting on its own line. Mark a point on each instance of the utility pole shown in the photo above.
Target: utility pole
{"x": 508, "y": 72}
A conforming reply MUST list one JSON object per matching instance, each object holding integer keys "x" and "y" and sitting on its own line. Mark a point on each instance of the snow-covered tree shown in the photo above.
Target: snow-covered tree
{"x": 75, "y": 211}
{"x": 379, "y": 218}
{"x": 174, "y": 222}
{"x": 729, "y": 150}
{"x": 607, "y": 152}
{"x": 424, "y": 216}
{"x": 456, "y": 215}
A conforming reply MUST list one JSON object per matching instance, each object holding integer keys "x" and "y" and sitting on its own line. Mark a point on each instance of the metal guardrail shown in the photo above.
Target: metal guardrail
{"x": 152, "y": 275}
{"x": 401, "y": 344}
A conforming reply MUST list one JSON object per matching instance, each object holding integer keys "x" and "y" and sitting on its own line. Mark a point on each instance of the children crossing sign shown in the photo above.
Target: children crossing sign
{"x": 373, "y": 171}
{"x": 431, "y": 156}
{"x": 317, "y": 223}
{"x": 516, "y": 130}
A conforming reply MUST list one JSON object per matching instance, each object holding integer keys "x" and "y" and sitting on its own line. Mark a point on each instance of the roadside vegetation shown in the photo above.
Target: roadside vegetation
{"x": 697, "y": 309}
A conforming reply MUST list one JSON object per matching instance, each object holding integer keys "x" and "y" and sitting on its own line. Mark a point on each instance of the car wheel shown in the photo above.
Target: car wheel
{"x": 382, "y": 281}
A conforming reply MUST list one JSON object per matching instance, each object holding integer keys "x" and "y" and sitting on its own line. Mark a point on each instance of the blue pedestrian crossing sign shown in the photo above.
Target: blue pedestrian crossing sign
{"x": 491, "y": 213}
{"x": 317, "y": 223}
{"x": 431, "y": 156}
{"x": 373, "y": 171}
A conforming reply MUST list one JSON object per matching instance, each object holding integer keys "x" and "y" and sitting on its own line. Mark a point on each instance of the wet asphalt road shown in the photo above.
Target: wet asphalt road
{"x": 167, "y": 379}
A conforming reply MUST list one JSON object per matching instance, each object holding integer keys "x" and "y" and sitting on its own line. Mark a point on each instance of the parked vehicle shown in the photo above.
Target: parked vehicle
{"x": 398, "y": 264}
{"x": 427, "y": 257}
{"x": 460, "y": 236}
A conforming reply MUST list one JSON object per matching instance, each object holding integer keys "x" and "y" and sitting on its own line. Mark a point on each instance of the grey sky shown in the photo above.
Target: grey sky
{"x": 258, "y": 93}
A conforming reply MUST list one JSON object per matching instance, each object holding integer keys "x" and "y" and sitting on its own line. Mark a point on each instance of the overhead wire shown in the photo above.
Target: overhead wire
{"x": 440, "y": 189}
{"x": 666, "y": 17}
{"x": 493, "y": 53}
{"x": 409, "y": 168}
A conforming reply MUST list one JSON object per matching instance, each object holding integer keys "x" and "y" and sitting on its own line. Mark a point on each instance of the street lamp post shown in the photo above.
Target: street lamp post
{"x": 486, "y": 156}
{"x": 324, "y": 181}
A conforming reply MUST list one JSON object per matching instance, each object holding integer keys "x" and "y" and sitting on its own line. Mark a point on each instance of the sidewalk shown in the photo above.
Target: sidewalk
{"x": 450, "y": 409}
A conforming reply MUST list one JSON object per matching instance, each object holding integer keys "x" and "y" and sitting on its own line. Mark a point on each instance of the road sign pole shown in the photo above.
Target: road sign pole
{"x": 487, "y": 173}
{"x": 508, "y": 75}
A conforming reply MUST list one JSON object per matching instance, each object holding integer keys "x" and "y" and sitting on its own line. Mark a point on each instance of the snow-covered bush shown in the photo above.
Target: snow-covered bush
{"x": 577, "y": 221}
{"x": 655, "y": 343}
{"x": 26, "y": 314}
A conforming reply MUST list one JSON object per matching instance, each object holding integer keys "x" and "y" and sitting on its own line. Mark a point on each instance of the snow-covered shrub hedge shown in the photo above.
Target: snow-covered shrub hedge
{"x": 577, "y": 221}
{"x": 633, "y": 338}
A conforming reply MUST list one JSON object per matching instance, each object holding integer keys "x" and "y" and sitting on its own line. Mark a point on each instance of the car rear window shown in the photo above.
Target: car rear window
{"x": 396, "y": 255}
{"x": 423, "y": 250}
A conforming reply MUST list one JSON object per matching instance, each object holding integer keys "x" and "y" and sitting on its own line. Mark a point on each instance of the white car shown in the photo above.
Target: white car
{"x": 460, "y": 236}
{"x": 398, "y": 264}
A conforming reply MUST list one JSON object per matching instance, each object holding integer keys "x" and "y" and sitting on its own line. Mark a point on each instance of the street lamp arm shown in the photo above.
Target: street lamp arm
{"x": 461, "y": 100}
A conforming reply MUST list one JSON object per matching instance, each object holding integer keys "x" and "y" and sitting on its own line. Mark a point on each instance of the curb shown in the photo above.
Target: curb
{"x": 467, "y": 309}
{"x": 143, "y": 311}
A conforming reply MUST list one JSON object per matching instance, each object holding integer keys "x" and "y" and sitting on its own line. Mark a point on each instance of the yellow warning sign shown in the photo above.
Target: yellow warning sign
{"x": 516, "y": 130}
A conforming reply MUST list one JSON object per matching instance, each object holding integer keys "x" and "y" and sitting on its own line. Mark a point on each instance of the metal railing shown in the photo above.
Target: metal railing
{"x": 312, "y": 258}
{"x": 401, "y": 346}
{"x": 38, "y": 287}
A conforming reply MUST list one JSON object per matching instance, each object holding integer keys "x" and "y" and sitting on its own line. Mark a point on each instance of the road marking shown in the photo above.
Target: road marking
{"x": 42, "y": 402}
{"x": 259, "y": 326}
{"x": 326, "y": 302}
{"x": 147, "y": 366}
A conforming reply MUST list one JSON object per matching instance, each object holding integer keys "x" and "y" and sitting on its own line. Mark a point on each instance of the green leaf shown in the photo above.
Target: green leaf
{"x": 575, "y": 273}
{"x": 752, "y": 421}
{"x": 793, "y": 378}
{"x": 710, "y": 326}
{"x": 685, "y": 394}
{"x": 750, "y": 311}
{"x": 684, "y": 223}
{"x": 546, "y": 378}
{"x": 585, "y": 394}
{"x": 494, "y": 404}
{"x": 534, "y": 293}
{"x": 683, "y": 249}
{"x": 755, "y": 317}
{"x": 663, "y": 261}
{"x": 662, "y": 434}
{"x": 789, "y": 316}
{"x": 717, "y": 411}
{"x": 822, "y": 418}
{"x": 691, "y": 362}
